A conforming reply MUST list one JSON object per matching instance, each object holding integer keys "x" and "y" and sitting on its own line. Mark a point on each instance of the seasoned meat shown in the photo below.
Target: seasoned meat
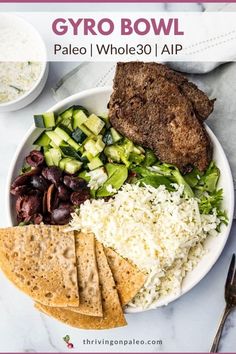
{"x": 159, "y": 109}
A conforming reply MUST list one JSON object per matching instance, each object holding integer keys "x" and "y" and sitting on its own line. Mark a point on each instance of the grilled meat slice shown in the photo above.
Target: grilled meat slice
{"x": 159, "y": 109}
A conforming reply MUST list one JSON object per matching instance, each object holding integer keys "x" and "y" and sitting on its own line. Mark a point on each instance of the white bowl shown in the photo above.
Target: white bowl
{"x": 95, "y": 100}
{"x": 7, "y": 21}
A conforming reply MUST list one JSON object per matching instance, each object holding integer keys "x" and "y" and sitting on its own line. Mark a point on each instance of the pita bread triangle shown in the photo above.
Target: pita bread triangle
{"x": 40, "y": 261}
{"x": 112, "y": 311}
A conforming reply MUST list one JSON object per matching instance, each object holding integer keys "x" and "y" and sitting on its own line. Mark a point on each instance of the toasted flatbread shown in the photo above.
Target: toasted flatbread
{"x": 40, "y": 260}
{"x": 112, "y": 311}
{"x": 128, "y": 278}
{"x": 90, "y": 300}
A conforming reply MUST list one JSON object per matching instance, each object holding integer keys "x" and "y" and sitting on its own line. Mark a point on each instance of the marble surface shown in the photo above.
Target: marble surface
{"x": 186, "y": 325}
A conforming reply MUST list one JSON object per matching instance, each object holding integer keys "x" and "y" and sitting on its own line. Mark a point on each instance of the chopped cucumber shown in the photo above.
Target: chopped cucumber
{"x": 78, "y": 135}
{"x": 116, "y": 180}
{"x": 59, "y": 119}
{"x": 69, "y": 151}
{"x": 81, "y": 149}
{"x": 95, "y": 163}
{"x": 67, "y": 113}
{"x": 52, "y": 144}
{"x": 107, "y": 138}
{"x": 49, "y": 119}
{"x": 48, "y": 158}
{"x": 73, "y": 144}
{"x": 78, "y": 138}
{"x": 79, "y": 118}
{"x": 87, "y": 156}
{"x": 45, "y": 120}
{"x": 112, "y": 153}
{"x": 105, "y": 118}
{"x": 115, "y": 135}
{"x": 73, "y": 166}
{"x": 94, "y": 124}
{"x": 90, "y": 146}
{"x": 45, "y": 149}
{"x": 80, "y": 108}
{"x": 56, "y": 156}
{"x": 102, "y": 132}
{"x": 85, "y": 130}
{"x": 52, "y": 157}
{"x": 66, "y": 128}
{"x": 63, "y": 135}
{"x": 103, "y": 157}
{"x": 66, "y": 123}
{"x": 43, "y": 140}
{"x": 63, "y": 162}
{"x": 100, "y": 144}
{"x": 56, "y": 139}
{"x": 122, "y": 150}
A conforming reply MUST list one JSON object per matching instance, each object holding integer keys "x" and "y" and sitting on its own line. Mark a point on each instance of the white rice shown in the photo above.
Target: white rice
{"x": 160, "y": 231}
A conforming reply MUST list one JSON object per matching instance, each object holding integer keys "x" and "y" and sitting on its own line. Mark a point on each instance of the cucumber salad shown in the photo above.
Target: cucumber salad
{"x": 79, "y": 156}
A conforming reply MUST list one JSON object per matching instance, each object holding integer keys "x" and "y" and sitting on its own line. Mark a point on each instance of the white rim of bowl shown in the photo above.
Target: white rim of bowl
{"x": 171, "y": 298}
{"x": 44, "y": 65}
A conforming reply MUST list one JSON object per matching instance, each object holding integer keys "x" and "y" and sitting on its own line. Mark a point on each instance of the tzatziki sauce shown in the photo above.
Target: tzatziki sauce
{"x": 17, "y": 78}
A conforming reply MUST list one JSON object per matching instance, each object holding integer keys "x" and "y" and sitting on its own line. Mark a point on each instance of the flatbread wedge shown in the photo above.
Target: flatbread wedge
{"x": 128, "y": 278}
{"x": 90, "y": 300}
{"x": 40, "y": 261}
{"x": 112, "y": 311}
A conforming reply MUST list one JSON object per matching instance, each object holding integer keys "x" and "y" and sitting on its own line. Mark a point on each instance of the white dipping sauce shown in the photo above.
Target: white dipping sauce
{"x": 17, "y": 78}
{"x": 22, "y": 57}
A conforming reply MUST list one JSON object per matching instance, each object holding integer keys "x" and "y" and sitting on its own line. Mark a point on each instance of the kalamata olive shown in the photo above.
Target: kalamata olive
{"x": 19, "y": 203}
{"x": 27, "y": 219}
{"x": 37, "y": 219}
{"x": 75, "y": 183}
{"x": 44, "y": 203}
{"x": 40, "y": 183}
{"x": 52, "y": 198}
{"x": 49, "y": 197}
{"x": 52, "y": 174}
{"x": 66, "y": 205}
{"x": 25, "y": 178}
{"x": 47, "y": 219}
{"x": 35, "y": 158}
{"x": 20, "y": 190}
{"x": 61, "y": 215}
{"x": 78, "y": 198}
{"x": 29, "y": 205}
{"x": 19, "y": 218}
{"x": 63, "y": 193}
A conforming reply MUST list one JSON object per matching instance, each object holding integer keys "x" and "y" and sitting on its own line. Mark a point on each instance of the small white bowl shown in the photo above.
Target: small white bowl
{"x": 7, "y": 21}
{"x": 95, "y": 100}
